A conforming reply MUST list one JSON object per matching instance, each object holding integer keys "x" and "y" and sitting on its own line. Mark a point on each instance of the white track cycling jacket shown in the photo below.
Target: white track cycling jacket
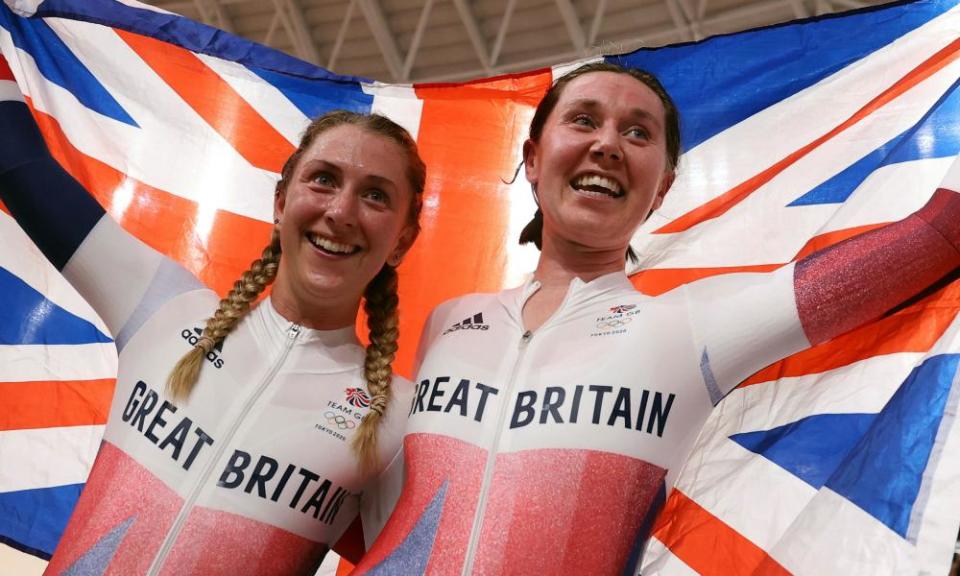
{"x": 253, "y": 473}
{"x": 552, "y": 451}
{"x": 549, "y": 452}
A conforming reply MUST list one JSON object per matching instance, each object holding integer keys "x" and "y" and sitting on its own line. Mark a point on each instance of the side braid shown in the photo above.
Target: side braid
{"x": 230, "y": 311}
{"x": 383, "y": 322}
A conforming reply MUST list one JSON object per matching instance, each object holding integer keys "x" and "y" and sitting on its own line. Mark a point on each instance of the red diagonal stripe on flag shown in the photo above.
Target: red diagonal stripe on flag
{"x": 916, "y": 328}
{"x": 5, "y": 72}
{"x": 706, "y": 544}
{"x": 161, "y": 219}
{"x": 719, "y": 205}
{"x": 830, "y": 238}
{"x": 656, "y": 281}
{"x": 215, "y": 101}
{"x": 463, "y": 140}
{"x": 28, "y": 405}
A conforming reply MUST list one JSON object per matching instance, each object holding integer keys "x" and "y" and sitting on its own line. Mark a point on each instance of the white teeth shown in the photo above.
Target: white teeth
{"x": 330, "y": 245}
{"x": 608, "y": 184}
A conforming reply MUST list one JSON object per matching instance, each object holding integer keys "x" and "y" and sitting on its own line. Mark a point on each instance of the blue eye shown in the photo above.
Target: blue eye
{"x": 583, "y": 120}
{"x": 638, "y": 132}
{"x": 377, "y": 195}
{"x": 324, "y": 179}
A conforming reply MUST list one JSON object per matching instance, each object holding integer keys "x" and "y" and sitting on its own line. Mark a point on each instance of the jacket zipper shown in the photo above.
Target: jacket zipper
{"x": 292, "y": 333}
{"x": 492, "y": 458}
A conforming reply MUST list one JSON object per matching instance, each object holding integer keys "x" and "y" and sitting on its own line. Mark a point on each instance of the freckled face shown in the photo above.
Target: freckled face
{"x": 601, "y": 163}
{"x": 344, "y": 213}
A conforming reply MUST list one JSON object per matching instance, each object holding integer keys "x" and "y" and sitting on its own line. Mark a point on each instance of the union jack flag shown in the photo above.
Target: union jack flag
{"x": 840, "y": 460}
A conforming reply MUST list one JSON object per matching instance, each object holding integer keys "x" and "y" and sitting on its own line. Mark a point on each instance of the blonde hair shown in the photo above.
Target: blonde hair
{"x": 383, "y": 323}
{"x": 232, "y": 308}
{"x": 380, "y": 295}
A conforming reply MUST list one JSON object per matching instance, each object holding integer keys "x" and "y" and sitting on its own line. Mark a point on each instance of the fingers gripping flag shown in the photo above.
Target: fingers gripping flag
{"x": 839, "y": 460}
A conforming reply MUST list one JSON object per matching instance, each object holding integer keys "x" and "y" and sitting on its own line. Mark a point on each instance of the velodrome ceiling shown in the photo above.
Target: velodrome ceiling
{"x": 453, "y": 40}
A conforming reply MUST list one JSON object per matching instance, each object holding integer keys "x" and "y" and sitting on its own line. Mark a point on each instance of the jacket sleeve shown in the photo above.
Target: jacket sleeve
{"x": 743, "y": 322}
{"x": 850, "y": 283}
{"x": 121, "y": 277}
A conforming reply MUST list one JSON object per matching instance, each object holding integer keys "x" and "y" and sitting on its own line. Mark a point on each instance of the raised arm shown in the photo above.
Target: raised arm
{"x": 850, "y": 283}
{"x": 122, "y": 278}
{"x": 743, "y": 322}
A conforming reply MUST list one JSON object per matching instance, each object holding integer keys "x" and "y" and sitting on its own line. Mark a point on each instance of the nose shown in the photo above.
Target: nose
{"x": 607, "y": 143}
{"x": 342, "y": 208}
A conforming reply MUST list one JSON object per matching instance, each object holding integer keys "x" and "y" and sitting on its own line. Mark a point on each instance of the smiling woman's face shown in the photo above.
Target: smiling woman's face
{"x": 600, "y": 165}
{"x": 345, "y": 212}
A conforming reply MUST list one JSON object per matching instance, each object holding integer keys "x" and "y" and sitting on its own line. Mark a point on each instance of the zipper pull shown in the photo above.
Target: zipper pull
{"x": 525, "y": 339}
{"x": 293, "y": 331}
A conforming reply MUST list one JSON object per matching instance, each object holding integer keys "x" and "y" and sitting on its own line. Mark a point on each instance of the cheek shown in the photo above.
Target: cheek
{"x": 288, "y": 239}
{"x": 383, "y": 230}
{"x": 561, "y": 156}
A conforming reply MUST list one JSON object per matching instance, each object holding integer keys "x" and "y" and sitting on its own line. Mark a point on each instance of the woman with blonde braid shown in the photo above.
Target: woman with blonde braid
{"x": 251, "y": 456}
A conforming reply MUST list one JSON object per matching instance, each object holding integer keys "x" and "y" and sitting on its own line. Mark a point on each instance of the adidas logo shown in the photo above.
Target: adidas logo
{"x": 213, "y": 356}
{"x": 474, "y": 323}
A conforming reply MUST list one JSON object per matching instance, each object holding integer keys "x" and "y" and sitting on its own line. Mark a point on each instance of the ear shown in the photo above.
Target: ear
{"x": 404, "y": 242}
{"x": 665, "y": 185}
{"x": 279, "y": 201}
{"x": 530, "y": 164}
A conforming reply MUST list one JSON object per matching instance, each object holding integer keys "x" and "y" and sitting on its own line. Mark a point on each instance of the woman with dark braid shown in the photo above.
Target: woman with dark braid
{"x": 239, "y": 442}
{"x": 544, "y": 439}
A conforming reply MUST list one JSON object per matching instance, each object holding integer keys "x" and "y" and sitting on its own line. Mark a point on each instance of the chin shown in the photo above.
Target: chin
{"x": 593, "y": 230}
{"x": 325, "y": 287}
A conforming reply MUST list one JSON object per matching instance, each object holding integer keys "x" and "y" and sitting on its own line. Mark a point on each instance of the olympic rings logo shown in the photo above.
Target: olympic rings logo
{"x": 339, "y": 421}
{"x": 614, "y": 323}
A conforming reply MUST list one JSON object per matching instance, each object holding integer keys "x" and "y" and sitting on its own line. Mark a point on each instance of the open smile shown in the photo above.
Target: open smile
{"x": 597, "y": 185}
{"x": 328, "y": 246}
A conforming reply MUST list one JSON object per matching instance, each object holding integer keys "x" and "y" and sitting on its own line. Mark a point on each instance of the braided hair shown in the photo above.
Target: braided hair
{"x": 380, "y": 295}
{"x": 232, "y": 308}
{"x": 383, "y": 322}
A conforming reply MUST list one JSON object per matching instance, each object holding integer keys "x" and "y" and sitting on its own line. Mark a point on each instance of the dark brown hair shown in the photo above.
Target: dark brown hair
{"x": 380, "y": 296}
{"x": 533, "y": 231}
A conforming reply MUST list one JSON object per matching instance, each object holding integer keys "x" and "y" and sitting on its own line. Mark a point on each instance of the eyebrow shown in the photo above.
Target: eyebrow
{"x": 315, "y": 163}
{"x": 381, "y": 180}
{"x": 591, "y": 104}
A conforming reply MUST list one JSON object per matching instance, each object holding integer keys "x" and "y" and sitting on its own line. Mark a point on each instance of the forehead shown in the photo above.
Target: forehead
{"x": 356, "y": 149}
{"x": 612, "y": 91}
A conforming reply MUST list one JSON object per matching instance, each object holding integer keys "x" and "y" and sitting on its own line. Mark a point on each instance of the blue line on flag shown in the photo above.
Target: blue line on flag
{"x": 60, "y": 66}
{"x": 315, "y": 97}
{"x": 936, "y": 135}
{"x": 810, "y": 448}
{"x": 34, "y": 520}
{"x": 46, "y": 323}
{"x": 187, "y": 34}
{"x": 744, "y": 80}
{"x": 883, "y": 474}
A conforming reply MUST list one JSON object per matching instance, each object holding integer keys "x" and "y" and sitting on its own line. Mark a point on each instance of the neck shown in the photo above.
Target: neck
{"x": 321, "y": 314}
{"x": 561, "y": 261}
